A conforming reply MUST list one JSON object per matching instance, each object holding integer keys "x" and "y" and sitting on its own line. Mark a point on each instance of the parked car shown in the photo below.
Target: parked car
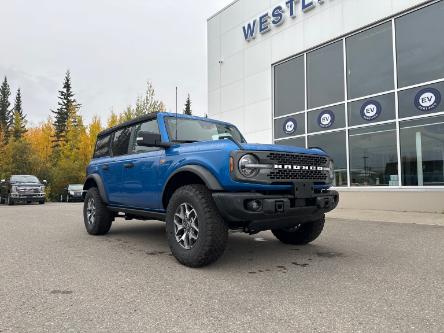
{"x": 203, "y": 178}
{"x": 73, "y": 192}
{"x": 22, "y": 188}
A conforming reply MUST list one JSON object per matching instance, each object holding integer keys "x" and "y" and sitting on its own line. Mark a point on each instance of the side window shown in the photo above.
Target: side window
{"x": 102, "y": 147}
{"x": 149, "y": 126}
{"x": 121, "y": 141}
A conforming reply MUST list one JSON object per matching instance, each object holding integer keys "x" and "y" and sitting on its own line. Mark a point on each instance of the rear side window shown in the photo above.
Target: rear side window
{"x": 121, "y": 141}
{"x": 148, "y": 126}
{"x": 102, "y": 147}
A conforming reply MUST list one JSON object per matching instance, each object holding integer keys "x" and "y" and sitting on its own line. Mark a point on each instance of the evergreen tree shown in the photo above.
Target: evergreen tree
{"x": 187, "y": 109}
{"x": 5, "y": 112}
{"x": 67, "y": 105}
{"x": 18, "y": 127}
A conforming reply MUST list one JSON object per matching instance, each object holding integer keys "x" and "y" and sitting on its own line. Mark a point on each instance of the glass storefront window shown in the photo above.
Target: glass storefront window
{"x": 289, "y": 126}
{"x": 420, "y": 45}
{"x": 415, "y": 105}
{"x": 372, "y": 110}
{"x": 422, "y": 152}
{"x": 327, "y": 119}
{"x": 335, "y": 146}
{"x": 370, "y": 68}
{"x": 373, "y": 156}
{"x": 289, "y": 80}
{"x": 421, "y": 100}
{"x": 295, "y": 142}
{"x": 325, "y": 89}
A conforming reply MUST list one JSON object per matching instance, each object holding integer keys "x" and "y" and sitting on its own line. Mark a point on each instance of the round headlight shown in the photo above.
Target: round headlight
{"x": 332, "y": 170}
{"x": 245, "y": 166}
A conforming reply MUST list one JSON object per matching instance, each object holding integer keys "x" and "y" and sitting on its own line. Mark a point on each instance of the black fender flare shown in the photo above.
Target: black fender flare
{"x": 208, "y": 178}
{"x": 98, "y": 180}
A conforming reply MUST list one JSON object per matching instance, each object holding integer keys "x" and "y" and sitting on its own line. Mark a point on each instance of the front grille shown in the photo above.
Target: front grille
{"x": 28, "y": 190}
{"x": 288, "y": 161}
{"x": 297, "y": 159}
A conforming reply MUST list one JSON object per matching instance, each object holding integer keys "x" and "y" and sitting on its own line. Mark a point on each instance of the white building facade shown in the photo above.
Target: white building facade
{"x": 361, "y": 79}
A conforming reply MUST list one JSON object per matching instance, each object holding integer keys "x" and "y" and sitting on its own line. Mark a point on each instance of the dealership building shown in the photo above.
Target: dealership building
{"x": 361, "y": 79}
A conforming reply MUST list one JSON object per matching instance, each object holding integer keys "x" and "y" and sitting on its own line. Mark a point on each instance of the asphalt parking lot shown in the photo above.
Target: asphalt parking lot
{"x": 358, "y": 276}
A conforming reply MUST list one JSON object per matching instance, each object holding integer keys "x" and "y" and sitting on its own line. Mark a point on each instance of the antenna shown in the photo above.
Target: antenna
{"x": 176, "y": 113}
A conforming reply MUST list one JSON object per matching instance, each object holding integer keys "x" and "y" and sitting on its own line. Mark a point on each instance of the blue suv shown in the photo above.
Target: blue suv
{"x": 202, "y": 178}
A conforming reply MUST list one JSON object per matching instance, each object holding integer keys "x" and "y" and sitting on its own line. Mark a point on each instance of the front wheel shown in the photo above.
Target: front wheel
{"x": 301, "y": 234}
{"x": 197, "y": 234}
{"x": 10, "y": 201}
{"x": 97, "y": 217}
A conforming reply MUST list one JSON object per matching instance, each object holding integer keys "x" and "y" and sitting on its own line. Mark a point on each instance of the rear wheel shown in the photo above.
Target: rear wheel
{"x": 41, "y": 202}
{"x": 197, "y": 234}
{"x": 97, "y": 217}
{"x": 301, "y": 234}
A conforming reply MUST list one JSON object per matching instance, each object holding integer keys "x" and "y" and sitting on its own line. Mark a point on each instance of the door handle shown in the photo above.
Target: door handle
{"x": 128, "y": 165}
{"x": 105, "y": 167}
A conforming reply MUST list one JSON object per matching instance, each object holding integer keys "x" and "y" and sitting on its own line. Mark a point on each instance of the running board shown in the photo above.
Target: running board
{"x": 139, "y": 214}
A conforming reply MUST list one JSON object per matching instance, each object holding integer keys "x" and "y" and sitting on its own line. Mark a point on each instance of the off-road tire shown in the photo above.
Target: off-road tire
{"x": 41, "y": 202}
{"x": 304, "y": 234}
{"x": 213, "y": 231}
{"x": 103, "y": 216}
{"x": 10, "y": 201}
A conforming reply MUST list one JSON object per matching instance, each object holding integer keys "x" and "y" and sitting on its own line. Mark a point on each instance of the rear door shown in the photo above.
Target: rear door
{"x": 141, "y": 186}
{"x": 104, "y": 166}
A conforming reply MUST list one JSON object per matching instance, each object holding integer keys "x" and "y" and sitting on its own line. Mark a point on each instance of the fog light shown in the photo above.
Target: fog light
{"x": 254, "y": 205}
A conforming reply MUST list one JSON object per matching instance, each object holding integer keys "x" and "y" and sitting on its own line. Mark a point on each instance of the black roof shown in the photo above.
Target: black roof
{"x": 131, "y": 122}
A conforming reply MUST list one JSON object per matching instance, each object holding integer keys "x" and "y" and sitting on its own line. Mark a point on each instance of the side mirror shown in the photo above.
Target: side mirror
{"x": 2, "y": 181}
{"x": 45, "y": 182}
{"x": 148, "y": 139}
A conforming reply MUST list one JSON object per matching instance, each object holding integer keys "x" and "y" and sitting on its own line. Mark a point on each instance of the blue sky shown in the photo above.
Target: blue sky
{"x": 111, "y": 47}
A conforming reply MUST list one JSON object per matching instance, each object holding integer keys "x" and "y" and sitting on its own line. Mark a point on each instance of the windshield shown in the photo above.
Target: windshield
{"x": 75, "y": 187}
{"x": 193, "y": 130}
{"x": 24, "y": 179}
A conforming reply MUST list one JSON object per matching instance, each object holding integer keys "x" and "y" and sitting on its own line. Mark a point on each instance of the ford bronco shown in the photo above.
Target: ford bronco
{"x": 202, "y": 178}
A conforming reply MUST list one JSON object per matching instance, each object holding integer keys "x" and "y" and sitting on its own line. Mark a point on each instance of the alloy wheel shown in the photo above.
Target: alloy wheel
{"x": 91, "y": 211}
{"x": 186, "y": 226}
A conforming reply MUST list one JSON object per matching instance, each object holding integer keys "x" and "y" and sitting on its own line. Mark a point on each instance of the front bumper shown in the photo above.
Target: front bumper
{"x": 28, "y": 197}
{"x": 277, "y": 211}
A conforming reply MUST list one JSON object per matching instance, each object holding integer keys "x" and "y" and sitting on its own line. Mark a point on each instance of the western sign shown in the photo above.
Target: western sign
{"x": 277, "y": 16}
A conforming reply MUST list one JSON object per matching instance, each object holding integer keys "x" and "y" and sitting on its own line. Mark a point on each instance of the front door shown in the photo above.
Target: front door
{"x": 141, "y": 172}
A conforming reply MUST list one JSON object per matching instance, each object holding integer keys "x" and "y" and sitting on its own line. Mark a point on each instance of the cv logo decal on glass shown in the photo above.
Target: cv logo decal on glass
{"x": 326, "y": 119}
{"x": 290, "y": 126}
{"x": 428, "y": 99}
{"x": 371, "y": 110}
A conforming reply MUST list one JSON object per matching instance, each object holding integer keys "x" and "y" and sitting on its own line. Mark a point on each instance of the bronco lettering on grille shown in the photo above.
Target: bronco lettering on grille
{"x": 300, "y": 167}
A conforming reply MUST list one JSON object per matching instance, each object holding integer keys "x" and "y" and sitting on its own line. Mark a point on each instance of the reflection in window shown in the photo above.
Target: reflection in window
{"x": 325, "y": 73}
{"x": 373, "y": 156}
{"x": 372, "y": 110}
{"x": 148, "y": 126}
{"x": 370, "y": 61}
{"x": 420, "y": 45}
{"x": 102, "y": 146}
{"x": 422, "y": 152}
{"x": 334, "y": 144}
{"x": 121, "y": 141}
{"x": 289, "y": 81}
